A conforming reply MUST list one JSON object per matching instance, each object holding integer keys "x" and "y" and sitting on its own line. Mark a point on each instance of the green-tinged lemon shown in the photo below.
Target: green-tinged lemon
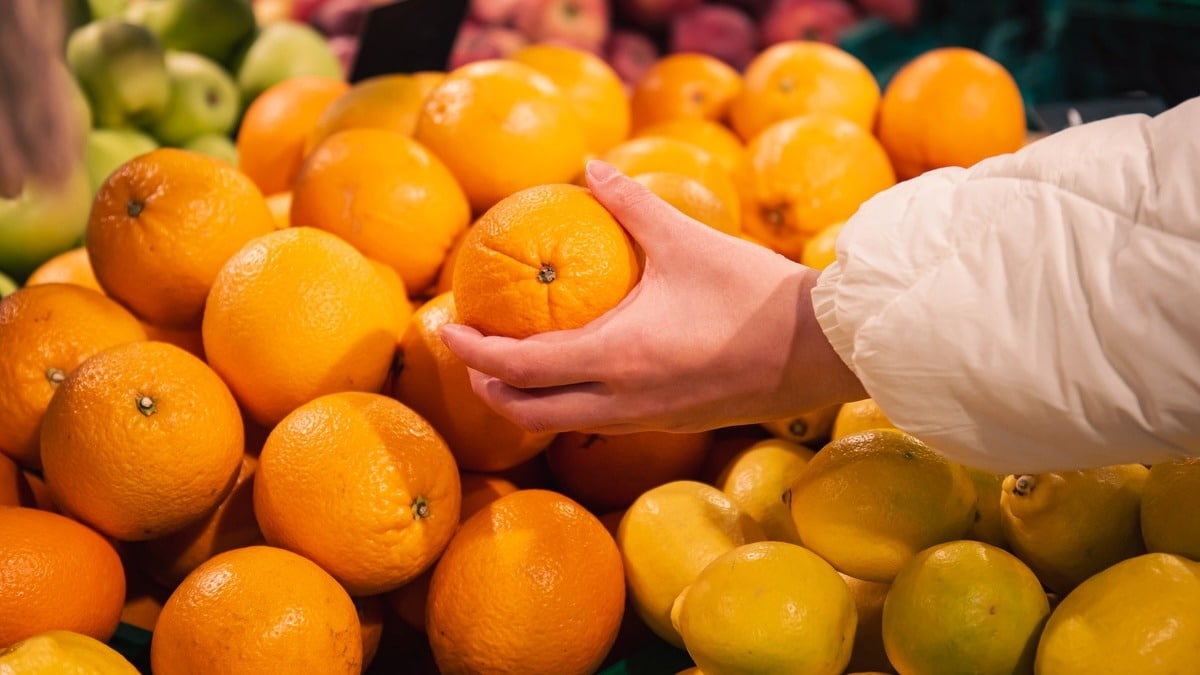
{"x": 1170, "y": 512}
{"x": 759, "y": 480}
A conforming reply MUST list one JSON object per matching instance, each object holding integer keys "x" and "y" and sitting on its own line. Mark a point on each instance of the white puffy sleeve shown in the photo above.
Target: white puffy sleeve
{"x": 1039, "y": 311}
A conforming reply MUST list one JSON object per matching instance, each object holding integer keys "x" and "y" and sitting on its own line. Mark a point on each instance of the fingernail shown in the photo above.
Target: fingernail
{"x": 454, "y": 331}
{"x": 599, "y": 170}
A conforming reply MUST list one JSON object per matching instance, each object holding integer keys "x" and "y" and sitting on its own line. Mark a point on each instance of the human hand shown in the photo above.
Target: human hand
{"x": 719, "y": 331}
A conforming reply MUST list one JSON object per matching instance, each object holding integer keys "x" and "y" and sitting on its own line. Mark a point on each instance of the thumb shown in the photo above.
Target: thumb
{"x": 649, "y": 219}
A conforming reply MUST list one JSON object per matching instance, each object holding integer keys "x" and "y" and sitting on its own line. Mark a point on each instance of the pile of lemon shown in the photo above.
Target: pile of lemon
{"x": 876, "y": 554}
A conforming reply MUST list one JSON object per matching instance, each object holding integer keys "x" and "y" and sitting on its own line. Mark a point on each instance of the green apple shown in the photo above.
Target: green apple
{"x": 121, "y": 69}
{"x": 42, "y": 222}
{"x": 283, "y": 50}
{"x": 204, "y": 99}
{"x": 7, "y": 285}
{"x": 214, "y": 145}
{"x": 108, "y": 149}
{"x": 213, "y": 28}
{"x": 104, "y": 9}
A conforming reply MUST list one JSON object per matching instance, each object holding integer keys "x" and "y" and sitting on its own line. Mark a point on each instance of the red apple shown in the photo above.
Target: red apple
{"x": 476, "y": 42}
{"x": 345, "y": 47}
{"x": 496, "y": 12}
{"x": 302, "y": 9}
{"x": 340, "y": 17}
{"x": 653, "y": 13}
{"x": 820, "y": 20}
{"x": 579, "y": 22}
{"x": 723, "y": 31}
{"x": 902, "y": 13}
{"x": 631, "y": 54}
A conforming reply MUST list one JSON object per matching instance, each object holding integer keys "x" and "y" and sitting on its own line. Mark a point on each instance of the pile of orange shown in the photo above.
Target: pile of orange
{"x": 231, "y": 406}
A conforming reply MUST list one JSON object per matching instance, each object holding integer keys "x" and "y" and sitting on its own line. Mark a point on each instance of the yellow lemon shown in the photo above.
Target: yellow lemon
{"x": 1139, "y": 616}
{"x": 868, "y": 653}
{"x": 964, "y": 607}
{"x": 870, "y": 501}
{"x": 667, "y": 536}
{"x": 1069, "y": 525}
{"x": 767, "y": 608}
{"x": 857, "y": 416}
{"x": 1170, "y": 510}
{"x": 63, "y": 652}
{"x": 820, "y": 251}
{"x": 759, "y": 480}
{"x": 987, "y": 526}
{"x": 807, "y": 428}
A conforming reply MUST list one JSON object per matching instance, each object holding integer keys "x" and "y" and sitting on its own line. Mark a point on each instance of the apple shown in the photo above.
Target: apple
{"x": 204, "y": 99}
{"x": 212, "y": 28}
{"x": 108, "y": 149}
{"x": 902, "y": 13}
{"x": 631, "y": 54}
{"x": 477, "y": 42}
{"x": 302, "y": 9}
{"x": 820, "y": 20}
{"x": 43, "y": 221}
{"x": 104, "y": 9}
{"x": 215, "y": 145}
{"x": 723, "y": 31}
{"x": 495, "y": 12}
{"x": 340, "y": 17}
{"x": 270, "y": 11}
{"x": 7, "y": 285}
{"x": 283, "y": 50}
{"x": 584, "y": 23}
{"x": 121, "y": 69}
{"x": 652, "y": 13}
{"x": 345, "y": 47}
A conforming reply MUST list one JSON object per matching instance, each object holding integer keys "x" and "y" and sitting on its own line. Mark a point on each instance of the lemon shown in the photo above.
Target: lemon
{"x": 764, "y": 608}
{"x": 1067, "y": 526}
{"x": 870, "y": 501}
{"x": 964, "y": 607}
{"x": 667, "y": 536}
{"x": 857, "y": 416}
{"x": 810, "y": 427}
{"x": 759, "y": 480}
{"x": 63, "y": 652}
{"x": 1170, "y": 512}
{"x": 1141, "y": 615}
{"x": 987, "y": 526}
{"x": 868, "y": 653}
{"x": 820, "y": 251}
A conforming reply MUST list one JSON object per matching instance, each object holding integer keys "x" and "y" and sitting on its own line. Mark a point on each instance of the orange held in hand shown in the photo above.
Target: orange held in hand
{"x": 950, "y": 107}
{"x": 56, "y": 573}
{"x": 547, "y": 258}
{"x": 532, "y": 583}
{"x": 360, "y": 484}
{"x": 141, "y": 440}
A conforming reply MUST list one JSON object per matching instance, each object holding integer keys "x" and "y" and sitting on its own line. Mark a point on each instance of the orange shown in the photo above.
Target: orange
{"x": 141, "y": 440}
{"x": 800, "y": 77}
{"x": 144, "y": 599}
{"x": 478, "y": 490}
{"x": 533, "y": 583}
{"x": 608, "y": 472}
{"x": 820, "y": 251}
{"x": 693, "y": 199}
{"x": 371, "y": 611}
{"x": 402, "y": 309}
{"x": 258, "y": 609}
{"x": 713, "y": 137}
{"x": 230, "y": 525}
{"x": 592, "y": 86}
{"x": 806, "y": 173}
{"x": 433, "y": 381}
{"x": 188, "y": 339}
{"x": 69, "y": 267}
{"x": 360, "y": 484}
{"x": 502, "y": 126}
{"x": 46, "y": 331}
{"x": 387, "y": 195}
{"x": 163, "y": 224}
{"x": 445, "y": 280}
{"x": 646, "y": 154}
{"x": 390, "y": 101}
{"x": 58, "y": 574}
{"x": 950, "y": 107}
{"x": 684, "y": 85}
{"x": 22, "y": 488}
{"x": 280, "y": 205}
{"x": 294, "y": 315}
{"x": 547, "y": 258}
{"x": 273, "y": 133}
